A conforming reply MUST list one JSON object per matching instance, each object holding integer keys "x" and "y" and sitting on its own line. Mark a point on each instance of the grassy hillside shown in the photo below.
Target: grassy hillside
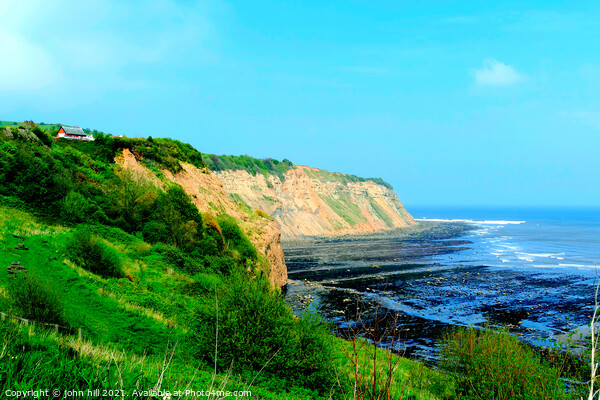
{"x": 126, "y": 286}
{"x": 164, "y": 297}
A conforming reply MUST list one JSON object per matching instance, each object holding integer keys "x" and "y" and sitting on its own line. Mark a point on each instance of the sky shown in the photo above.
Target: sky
{"x": 454, "y": 103}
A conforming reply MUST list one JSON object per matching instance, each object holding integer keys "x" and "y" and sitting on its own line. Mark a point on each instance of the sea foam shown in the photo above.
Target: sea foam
{"x": 473, "y": 221}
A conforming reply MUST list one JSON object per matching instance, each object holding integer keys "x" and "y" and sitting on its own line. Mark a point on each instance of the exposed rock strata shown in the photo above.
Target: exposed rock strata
{"x": 311, "y": 202}
{"x": 209, "y": 195}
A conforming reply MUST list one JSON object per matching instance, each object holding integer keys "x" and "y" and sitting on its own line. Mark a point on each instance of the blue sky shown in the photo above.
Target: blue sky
{"x": 454, "y": 103}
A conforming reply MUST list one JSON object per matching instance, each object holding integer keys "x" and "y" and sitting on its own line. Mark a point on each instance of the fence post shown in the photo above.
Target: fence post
{"x": 56, "y": 327}
{"x": 3, "y": 316}
{"x": 79, "y": 334}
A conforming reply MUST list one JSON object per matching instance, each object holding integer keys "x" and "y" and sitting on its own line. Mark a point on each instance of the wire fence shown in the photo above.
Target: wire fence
{"x": 29, "y": 322}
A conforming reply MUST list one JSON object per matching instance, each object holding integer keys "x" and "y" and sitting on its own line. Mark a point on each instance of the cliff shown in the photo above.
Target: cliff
{"x": 308, "y": 201}
{"x": 302, "y": 201}
{"x": 209, "y": 195}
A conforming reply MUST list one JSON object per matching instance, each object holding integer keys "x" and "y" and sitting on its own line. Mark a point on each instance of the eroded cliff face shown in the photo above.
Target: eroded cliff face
{"x": 209, "y": 195}
{"x": 312, "y": 202}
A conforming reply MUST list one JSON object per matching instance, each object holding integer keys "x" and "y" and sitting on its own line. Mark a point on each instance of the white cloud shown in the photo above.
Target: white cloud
{"x": 101, "y": 45}
{"x": 495, "y": 73}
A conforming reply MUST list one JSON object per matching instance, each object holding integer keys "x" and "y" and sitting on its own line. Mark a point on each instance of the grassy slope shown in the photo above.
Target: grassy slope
{"x": 45, "y": 127}
{"x": 345, "y": 208}
{"x": 126, "y": 326}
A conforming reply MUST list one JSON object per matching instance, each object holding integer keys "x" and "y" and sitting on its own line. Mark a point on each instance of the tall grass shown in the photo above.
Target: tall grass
{"x": 34, "y": 299}
{"x": 367, "y": 370}
{"x": 491, "y": 364}
{"x": 40, "y": 359}
{"x": 94, "y": 255}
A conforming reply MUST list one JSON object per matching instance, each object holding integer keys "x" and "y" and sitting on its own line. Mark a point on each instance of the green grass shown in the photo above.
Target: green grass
{"x": 102, "y": 318}
{"x": 43, "y": 126}
{"x": 381, "y": 213}
{"x": 344, "y": 179}
{"x": 240, "y": 202}
{"x": 345, "y": 208}
{"x": 32, "y": 358}
{"x": 253, "y": 166}
{"x": 126, "y": 326}
{"x": 494, "y": 365}
{"x": 398, "y": 377}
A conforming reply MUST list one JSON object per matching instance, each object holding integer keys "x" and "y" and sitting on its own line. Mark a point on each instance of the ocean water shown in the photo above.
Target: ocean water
{"x": 525, "y": 238}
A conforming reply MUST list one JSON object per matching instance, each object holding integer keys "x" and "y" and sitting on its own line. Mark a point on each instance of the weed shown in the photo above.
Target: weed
{"x": 491, "y": 364}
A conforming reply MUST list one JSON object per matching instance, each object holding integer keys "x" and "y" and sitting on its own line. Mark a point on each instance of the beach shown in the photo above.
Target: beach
{"x": 440, "y": 275}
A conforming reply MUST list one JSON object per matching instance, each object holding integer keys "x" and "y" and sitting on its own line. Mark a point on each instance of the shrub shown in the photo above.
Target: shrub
{"x": 214, "y": 230}
{"x": 252, "y": 165}
{"x": 178, "y": 259}
{"x": 178, "y": 198}
{"x": 492, "y": 364}
{"x": 44, "y": 137}
{"x": 173, "y": 256}
{"x": 130, "y": 199}
{"x": 36, "y": 300}
{"x": 207, "y": 282}
{"x": 155, "y": 232}
{"x": 94, "y": 255}
{"x": 222, "y": 265}
{"x": 262, "y": 214}
{"x": 257, "y": 330}
{"x": 235, "y": 238}
{"x": 206, "y": 247}
{"x": 77, "y": 208}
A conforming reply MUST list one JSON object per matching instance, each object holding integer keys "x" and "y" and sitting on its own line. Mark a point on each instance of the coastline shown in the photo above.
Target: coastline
{"x": 401, "y": 273}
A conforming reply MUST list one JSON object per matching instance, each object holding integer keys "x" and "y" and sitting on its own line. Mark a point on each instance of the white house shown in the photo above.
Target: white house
{"x": 76, "y": 133}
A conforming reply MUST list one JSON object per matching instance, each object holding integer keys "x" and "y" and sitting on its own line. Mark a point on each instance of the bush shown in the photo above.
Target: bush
{"x": 94, "y": 255}
{"x": 222, "y": 265}
{"x": 262, "y": 214}
{"x": 176, "y": 258}
{"x": 492, "y": 364}
{"x": 35, "y": 300}
{"x": 44, "y": 137}
{"x": 176, "y": 197}
{"x": 206, "y": 247}
{"x": 252, "y": 165}
{"x": 257, "y": 330}
{"x": 130, "y": 200}
{"x": 173, "y": 256}
{"x": 155, "y": 232}
{"x": 77, "y": 208}
{"x": 204, "y": 283}
{"x": 235, "y": 238}
{"x": 213, "y": 229}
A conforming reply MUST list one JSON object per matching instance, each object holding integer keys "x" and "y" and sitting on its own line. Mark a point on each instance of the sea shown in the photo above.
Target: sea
{"x": 563, "y": 239}
{"x": 532, "y": 270}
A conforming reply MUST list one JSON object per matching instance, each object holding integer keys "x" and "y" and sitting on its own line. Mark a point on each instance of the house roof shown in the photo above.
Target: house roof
{"x": 69, "y": 130}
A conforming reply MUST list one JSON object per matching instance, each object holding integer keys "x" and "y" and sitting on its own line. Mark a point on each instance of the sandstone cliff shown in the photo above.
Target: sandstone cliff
{"x": 308, "y": 201}
{"x": 209, "y": 195}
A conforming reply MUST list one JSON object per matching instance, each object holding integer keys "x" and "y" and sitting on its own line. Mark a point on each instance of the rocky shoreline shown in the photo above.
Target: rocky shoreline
{"x": 394, "y": 274}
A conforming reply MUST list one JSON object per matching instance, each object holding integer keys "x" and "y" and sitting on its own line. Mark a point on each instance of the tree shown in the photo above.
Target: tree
{"x": 131, "y": 198}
